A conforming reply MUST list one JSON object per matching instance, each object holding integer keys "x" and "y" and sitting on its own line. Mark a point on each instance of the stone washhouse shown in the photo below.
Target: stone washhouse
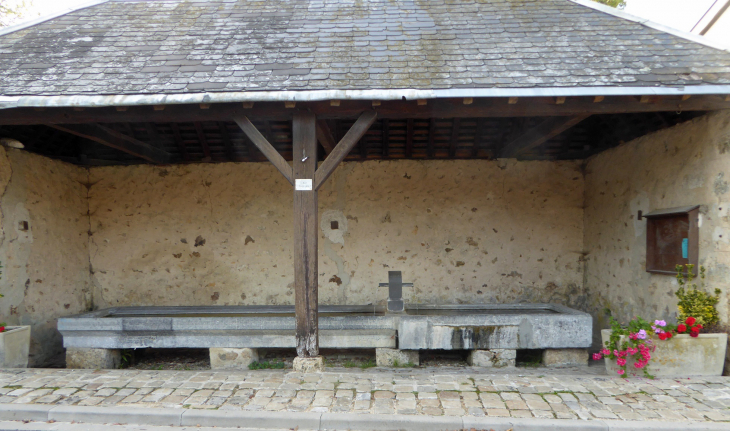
{"x": 399, "y": 176}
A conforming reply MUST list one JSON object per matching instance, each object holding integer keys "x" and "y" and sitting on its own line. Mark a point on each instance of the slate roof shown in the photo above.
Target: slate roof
{"x": 172, "y": 47}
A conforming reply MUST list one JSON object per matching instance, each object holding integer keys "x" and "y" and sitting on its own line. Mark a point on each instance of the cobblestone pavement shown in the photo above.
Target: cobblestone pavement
{"x": 576, "y": 393}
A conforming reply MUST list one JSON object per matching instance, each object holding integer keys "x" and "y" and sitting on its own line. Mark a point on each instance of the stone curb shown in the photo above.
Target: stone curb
{"x": 233, "y": 418}
{"x": 33, "y": 412}
{"x": 325, "y": 421}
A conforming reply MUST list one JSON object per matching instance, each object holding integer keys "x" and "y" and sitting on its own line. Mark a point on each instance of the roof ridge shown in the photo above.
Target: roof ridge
{"x": 30, "y": 23}
{"x": 651, "y": 24}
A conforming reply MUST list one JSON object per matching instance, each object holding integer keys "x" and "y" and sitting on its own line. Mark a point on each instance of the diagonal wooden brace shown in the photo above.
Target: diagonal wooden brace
{"x": 351, "y": 138}
{"x": 265, "y": 147}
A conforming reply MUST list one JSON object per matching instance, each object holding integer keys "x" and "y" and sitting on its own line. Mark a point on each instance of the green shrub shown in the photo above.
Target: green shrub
{"x": 693, "y": 301}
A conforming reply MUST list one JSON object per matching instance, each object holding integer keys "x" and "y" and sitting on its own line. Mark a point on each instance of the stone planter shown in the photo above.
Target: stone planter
{"x": 681, "y": 355}
{"x": 14, "y": 347}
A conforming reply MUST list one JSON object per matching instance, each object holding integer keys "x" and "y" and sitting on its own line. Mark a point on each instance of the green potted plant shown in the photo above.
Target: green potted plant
{"x": 14, "y": 344}
{"x": 662, "y": 349}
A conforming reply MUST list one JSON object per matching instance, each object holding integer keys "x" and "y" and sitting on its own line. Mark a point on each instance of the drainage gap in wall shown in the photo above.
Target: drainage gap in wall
{"x": 166, "y": 359}
{"x": 529, "y": 358}
{"x": 444, "y": 358}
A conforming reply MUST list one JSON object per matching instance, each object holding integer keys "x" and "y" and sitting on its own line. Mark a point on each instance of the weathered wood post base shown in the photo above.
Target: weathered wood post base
{"x": 309, "y": 365}
{"x": 93, "y": 359}
{"x": 227, "y": 358}
{"x": 494, "y": 358}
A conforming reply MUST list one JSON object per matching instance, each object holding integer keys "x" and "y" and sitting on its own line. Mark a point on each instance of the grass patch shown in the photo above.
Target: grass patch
{"x": 265, "y": 365}
{"x": 409, "y": 364}
{"x": 370, "y": 363}
{"x": 359, "y": 364}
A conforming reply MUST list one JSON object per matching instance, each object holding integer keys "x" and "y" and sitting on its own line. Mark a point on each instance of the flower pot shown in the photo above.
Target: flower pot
{"x": 14, "y": 347}
{"x": 681, "y": 355}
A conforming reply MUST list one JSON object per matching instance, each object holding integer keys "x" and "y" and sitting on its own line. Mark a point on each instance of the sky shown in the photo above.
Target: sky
{"x": 679, "y": 14}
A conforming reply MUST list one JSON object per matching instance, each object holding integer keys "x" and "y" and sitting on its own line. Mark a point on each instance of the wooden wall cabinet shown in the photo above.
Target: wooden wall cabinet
{"x": 672, "y": 238}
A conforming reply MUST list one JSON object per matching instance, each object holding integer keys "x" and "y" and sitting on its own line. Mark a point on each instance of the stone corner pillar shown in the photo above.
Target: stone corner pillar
{"x": 93, "y": 359}
{"x": 227, "y": 358}
{"x": 564, "y": 357}
{"x": 385, "y": 357}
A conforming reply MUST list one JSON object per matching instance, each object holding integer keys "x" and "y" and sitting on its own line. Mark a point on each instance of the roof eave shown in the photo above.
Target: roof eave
{"x": 92, "y": 101}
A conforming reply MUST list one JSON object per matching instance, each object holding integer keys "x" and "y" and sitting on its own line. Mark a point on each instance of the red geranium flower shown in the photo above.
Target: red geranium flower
{"x": 694, "y": 333}
{"x": 2, "y": 329}
{"x": 681, "y": 328}
{"x": 663, "y": 336}
{"x": 669, "y": 335}
{"x": 690, "y": 321}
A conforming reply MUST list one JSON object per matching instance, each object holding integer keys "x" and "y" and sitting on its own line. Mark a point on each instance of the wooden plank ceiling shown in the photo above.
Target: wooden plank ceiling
{"x": 388, "y": 138}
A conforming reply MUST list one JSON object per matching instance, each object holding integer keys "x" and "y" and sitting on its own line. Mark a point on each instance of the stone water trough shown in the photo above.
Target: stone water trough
{"x": 492, "y": 332}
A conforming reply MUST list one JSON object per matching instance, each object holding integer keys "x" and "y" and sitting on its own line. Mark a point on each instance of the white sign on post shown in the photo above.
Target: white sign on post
{"x": 303, "y": 184}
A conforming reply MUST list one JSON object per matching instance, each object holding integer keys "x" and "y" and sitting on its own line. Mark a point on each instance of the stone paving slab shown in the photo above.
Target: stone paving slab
{"x": 569, "y": 394}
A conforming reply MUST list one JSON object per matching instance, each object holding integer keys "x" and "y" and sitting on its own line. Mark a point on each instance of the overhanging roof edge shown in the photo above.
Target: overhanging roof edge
{"x": 92, "y": 101}
{"x": 656, "y": 26}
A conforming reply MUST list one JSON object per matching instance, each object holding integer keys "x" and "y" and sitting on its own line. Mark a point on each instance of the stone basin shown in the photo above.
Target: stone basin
{"x": 421, "y": 326}
{"x": 493, "y": 326}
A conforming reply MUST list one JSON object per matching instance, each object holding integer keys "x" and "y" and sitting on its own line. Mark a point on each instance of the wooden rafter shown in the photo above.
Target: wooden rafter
{"x": 540, "y": 134}
{"x": 203, "y": 140}
{"x": 409, "y": 138}
{"x": 179, "y": 141}
{"x": 265, "y": 147}
{"x": 226, "y": 138}
{"x": 477, "y": 137}
{"x": 431, "y": 137}
{"x": 386, "y": 138}
{"x": 454, "y": 137}
{"x": 112, "y": 138}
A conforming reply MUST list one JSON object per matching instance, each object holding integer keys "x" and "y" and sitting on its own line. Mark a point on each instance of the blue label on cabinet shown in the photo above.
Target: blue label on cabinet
{"x": 685, "y": 248}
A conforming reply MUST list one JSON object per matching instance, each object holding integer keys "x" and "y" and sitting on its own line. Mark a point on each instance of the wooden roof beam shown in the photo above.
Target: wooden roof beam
{"x": 112, "y": 138}
{"x": 543, "y": 132}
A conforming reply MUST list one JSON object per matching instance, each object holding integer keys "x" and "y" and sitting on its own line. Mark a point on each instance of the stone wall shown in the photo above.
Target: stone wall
{"x": 685, "y": 165}
{"x": 220, "y": 234}
{"x": 46, "y": 267}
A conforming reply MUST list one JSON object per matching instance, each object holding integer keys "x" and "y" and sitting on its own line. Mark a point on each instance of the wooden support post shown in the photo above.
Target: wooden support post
{"x": 304, "y": 137}
{"x": 307, "y": 179}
